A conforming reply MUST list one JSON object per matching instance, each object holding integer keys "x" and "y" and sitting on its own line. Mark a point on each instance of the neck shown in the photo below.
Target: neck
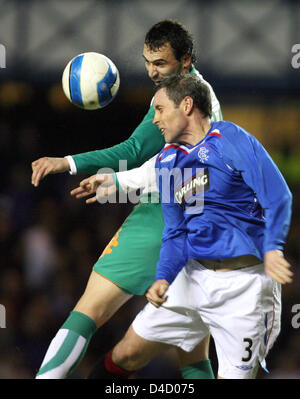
{"x": 193, "y": 134}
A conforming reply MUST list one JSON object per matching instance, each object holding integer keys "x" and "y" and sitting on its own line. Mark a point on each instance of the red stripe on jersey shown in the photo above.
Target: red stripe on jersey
{"x": 177, "y": 147}
{"x": 215, "y": 134}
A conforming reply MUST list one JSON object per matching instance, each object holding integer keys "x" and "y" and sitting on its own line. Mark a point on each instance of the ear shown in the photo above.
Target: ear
{"x": 188, "y": 104}
{"x": 186, "y": 62}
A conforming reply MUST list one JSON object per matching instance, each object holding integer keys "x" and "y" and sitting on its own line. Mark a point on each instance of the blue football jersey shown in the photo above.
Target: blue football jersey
{"x": 222, "y": 198}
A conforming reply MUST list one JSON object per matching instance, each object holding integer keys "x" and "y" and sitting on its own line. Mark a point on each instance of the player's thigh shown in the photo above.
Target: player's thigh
{"x": 173, "y": 324}
{"x": 134, "y": 352}
{"x": 247, "y": 322}
{"x": 199, "y": 353}
{"x": 177, "y": 327}
{"x": 129, "y": 260}
{"x": 101, "y": 299}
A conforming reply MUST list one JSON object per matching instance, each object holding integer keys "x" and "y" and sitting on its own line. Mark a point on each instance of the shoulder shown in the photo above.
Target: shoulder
{"x": 230, "y": 130}
{"x": 236, "y": 142}
{"x": 215, "y": 101}
{"x": 201, "y": 78}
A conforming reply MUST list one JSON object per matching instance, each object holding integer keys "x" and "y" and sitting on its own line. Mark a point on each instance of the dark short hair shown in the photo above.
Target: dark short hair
{"x": 173, "y": 32}
{"x": 179, "y": 86}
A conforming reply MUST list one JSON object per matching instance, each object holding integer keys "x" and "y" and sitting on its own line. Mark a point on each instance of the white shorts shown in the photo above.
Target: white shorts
{"x": 241, "y": 309}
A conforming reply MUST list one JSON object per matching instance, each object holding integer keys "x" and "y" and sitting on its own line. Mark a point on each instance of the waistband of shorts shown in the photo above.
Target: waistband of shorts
{"x": 229, "y": 264}
{"x": 193, "y": 265}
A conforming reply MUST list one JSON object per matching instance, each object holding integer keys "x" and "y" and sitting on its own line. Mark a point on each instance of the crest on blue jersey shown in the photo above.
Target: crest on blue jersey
{"x": 203, "y": 154}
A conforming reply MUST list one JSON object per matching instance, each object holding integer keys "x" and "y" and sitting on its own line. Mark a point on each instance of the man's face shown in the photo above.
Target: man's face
{"x": 162, "y": 63}
{"x": 171, "y": 120}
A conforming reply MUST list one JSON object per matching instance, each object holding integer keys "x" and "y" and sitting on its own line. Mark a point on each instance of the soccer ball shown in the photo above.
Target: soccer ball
{"x": 90, "y": 80}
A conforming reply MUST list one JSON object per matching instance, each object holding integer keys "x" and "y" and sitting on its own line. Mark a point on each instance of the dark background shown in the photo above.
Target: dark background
{"x": 50, "y": 241}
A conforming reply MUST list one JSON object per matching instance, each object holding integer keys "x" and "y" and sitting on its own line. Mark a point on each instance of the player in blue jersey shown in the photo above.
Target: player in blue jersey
{"x": 227, "y": 212}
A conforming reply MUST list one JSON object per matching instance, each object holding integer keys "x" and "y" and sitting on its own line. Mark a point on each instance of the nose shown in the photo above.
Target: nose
{"x": 155, "y": 119}
{"x": 152, "y": 72}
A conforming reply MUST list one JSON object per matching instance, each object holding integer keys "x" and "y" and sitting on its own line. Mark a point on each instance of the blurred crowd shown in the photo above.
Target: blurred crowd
{"x": 50, "y": 241}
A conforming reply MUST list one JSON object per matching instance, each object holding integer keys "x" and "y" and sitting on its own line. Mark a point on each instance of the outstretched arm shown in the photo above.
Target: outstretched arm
{"x": 102, "y": 185}
{"x": 262, "y": 175}
{"x": 144, "y": 143}
{"x": 143, "y": 178}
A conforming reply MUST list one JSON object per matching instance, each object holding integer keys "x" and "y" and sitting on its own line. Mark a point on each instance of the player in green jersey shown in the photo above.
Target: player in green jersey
{"x": 127, "y": 265}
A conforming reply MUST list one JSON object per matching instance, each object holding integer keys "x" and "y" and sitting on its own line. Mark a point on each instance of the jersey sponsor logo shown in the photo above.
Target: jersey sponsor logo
{"x": 197, "y": 184}
{"x": 168, "y": 158}
{"x": 177, "y": 147}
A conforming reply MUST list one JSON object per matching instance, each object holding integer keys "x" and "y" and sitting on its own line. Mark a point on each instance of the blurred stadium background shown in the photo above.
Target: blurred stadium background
{"x": 49, "y": 241}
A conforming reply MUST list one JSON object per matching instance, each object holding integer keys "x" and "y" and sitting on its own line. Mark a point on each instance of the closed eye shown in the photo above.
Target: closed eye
{"x": 159, "y": 63}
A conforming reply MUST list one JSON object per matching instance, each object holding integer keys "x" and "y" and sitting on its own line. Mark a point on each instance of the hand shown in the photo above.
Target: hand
{"x": 277, "y": 267}
{"x": 156, "y": 293}
{"x": 101, "y": 184}
{"x": 45, "y": 166}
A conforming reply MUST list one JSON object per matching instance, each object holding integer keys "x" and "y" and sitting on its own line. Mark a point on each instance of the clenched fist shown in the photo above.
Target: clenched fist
{"x": 156, "y": 293}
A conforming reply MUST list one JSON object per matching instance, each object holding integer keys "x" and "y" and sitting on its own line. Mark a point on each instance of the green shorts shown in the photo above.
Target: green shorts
{"x": 130, "y": 259}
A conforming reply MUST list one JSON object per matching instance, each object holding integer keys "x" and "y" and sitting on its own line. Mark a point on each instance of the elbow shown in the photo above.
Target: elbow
{"x": 286, "y": 201}
{"x": 288, "y": 197}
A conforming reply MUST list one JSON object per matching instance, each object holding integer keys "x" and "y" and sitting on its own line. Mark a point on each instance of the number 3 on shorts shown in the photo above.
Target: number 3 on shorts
{"x": 248, "y": 349}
